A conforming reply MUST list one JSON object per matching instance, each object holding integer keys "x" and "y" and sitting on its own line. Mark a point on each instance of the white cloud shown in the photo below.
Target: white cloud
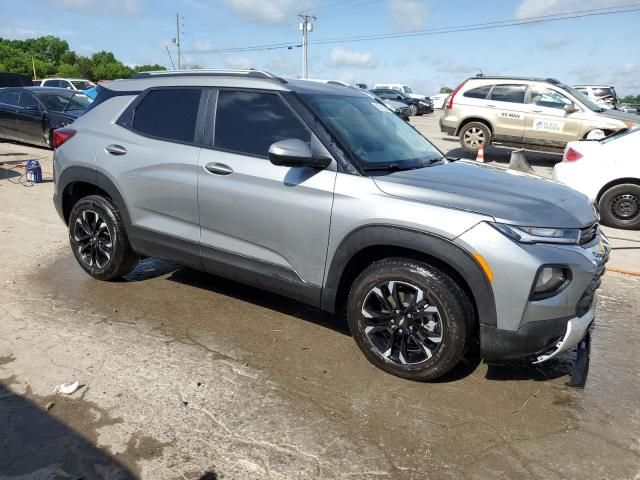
{"x": 451, "y": 66}
{"x": 536, "y": 8}
{"x": 340, "y": 58}
{"x": 268, "y": 11}
{"x": 128, "y": 7}
{"x": 624, "y": 77}
{"x": 239, "y": 63}
{"x": 280, "y": 64}
{"x": 408, "y": 14}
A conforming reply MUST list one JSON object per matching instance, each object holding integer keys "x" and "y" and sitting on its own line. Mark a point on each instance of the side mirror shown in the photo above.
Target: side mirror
{"x": 294, "y": 152}
{"x": 570, "y": 108}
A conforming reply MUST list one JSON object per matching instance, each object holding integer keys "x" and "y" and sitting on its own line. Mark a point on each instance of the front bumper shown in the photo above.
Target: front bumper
{"x": 526, "y": 327}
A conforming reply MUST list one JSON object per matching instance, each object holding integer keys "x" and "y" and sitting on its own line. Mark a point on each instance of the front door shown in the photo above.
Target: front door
{"x": 30, "y": 118}
{"x": 505, "y": 110}
{"x": 260, "y": 223}
{"x": 547, "y": 123}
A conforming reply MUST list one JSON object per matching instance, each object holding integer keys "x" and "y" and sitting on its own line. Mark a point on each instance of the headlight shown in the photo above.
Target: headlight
{"x": 424, "y": 104}
{"x": 539, "y": 235}
{"x": 548, "y": 282}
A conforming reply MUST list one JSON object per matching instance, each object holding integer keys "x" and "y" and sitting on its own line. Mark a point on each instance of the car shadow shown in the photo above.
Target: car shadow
{"x": 262, "y": 298}
{"x": 555, "y": 368}
{"x": 35, "y": 444}
{"x": 502, "y": 155}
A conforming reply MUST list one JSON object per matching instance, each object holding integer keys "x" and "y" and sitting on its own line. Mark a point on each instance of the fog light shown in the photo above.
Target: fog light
{"x": 549, "y": 280}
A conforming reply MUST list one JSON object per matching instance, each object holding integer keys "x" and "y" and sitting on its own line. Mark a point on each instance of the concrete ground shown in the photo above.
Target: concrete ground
{"x": 189, "y": 376}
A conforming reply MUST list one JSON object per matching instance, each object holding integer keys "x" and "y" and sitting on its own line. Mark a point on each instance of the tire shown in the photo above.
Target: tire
{"x": 620, "y": 206}
{"x": 98, "y": 239}
{"x": 413, "y": 110}
{"x": 429, "y": 335}
{"x": 473, "y": 135}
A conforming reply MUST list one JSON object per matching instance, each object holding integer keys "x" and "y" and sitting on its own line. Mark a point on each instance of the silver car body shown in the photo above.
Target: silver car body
{"x": 295, "y": 231}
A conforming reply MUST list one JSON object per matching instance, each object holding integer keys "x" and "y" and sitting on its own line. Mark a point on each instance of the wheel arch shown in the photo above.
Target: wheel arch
{"x": 468, "y": 120}
{"x": 75, "y": 183}
{"x": 369, "y": 244}
{"x": 616, "y": 182}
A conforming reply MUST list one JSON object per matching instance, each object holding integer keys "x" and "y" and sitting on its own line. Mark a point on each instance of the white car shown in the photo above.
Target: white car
{"x": 68, "y": 83}
{"x": 608, "y": 172}
{"x": 439, "y": 99}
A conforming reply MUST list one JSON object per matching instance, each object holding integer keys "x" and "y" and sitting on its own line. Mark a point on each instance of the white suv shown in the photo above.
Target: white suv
{"x": 68, "y": 83}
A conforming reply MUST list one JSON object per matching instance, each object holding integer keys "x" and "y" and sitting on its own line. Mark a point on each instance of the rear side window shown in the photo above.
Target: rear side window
{"x": 9, "y": 98}
{"x": 509, "y": 93}
{"x": 27, "y": 100}
{"x": 249, "y": 122}
{"x": 479, "y": 92}
{"x": 169, "y": 114}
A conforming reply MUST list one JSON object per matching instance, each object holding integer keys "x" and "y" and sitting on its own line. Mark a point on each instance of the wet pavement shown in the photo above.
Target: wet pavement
{"x": 187, "y": 375}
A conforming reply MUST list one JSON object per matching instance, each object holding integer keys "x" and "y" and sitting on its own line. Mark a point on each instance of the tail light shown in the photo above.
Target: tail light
{"x": 571, "y": 155}
{"x": 62, "y": 135}
{"x": 453, "y": 94}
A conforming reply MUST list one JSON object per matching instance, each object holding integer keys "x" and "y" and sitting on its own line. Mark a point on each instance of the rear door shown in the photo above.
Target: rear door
{"x": 8, "y": 108}
{"x": 505, "y": 107}
{"x": 547, "y": 123}
{"x": 151, "y": 155}
{"x": 269, "y": 223}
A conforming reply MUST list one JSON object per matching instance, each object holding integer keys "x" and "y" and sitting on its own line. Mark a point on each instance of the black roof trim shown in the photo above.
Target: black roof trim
{"x": 527, "y": 79}
{"x": 209, "y": 73}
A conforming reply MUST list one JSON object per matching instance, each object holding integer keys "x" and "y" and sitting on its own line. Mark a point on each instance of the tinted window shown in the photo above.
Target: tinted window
{"x": 51, "y": 83}
{"x": 169, "y": 114}
{"x": 603, "y": 92}
{"x": 82, "y": 84}
{"x": 509, "y": 93}
{"x": 248, "y": 122}
{"x": 480, "y": 92}
{"x": 9, "y": 98}
{"x": 28, "y": 101}
{"x": 545, "y": 97}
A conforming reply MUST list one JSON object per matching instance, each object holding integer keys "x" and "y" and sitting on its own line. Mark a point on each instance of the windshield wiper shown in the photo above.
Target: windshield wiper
{"x": 388, "y": 167}
{"x": 431, "y": 161}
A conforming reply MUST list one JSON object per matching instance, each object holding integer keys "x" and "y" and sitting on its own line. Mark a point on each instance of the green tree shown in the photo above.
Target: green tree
{"x": 67, "y": 70}
{"x": 147, "y": 68}
{"x": 446, "y": 90}
{"x": 104, "y": 66}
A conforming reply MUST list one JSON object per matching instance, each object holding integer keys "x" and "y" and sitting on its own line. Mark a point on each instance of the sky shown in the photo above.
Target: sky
{"x": 598, "y": 49}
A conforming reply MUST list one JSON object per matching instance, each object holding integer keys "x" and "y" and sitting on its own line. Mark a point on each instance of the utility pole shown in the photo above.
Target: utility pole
{"x": 305, "y": 26}
{"x": 177, "y": 39}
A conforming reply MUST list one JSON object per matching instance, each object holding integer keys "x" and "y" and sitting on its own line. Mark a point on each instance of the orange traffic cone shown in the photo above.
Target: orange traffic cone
{"x": 480, "y": 157}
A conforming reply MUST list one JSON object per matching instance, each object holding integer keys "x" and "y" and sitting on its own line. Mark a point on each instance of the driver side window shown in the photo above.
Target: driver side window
{"x": 545, "y": 97}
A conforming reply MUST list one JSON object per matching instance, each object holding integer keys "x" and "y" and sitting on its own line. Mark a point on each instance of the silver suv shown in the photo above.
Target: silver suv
{"x": 320, "y": 193}
{"x": 538, "y": 114}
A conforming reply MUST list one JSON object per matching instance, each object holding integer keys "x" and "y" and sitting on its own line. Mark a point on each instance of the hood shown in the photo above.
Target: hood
{"x": 506, "y": 195}
{"x": 623, "y": 116}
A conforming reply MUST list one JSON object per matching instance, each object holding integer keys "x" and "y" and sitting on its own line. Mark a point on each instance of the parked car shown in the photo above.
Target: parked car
{"x": 416, "y": 107}
{"x": 405, "y": 89}
{"x": 608, "y": 172}
{"x": 628, "y": 108}
{"x": 315, "y": 192}
{"x": 69, "y": 83}
{"x": 603, "y": 95}
{"x": 29, "y": 114}
{"x": 534, "y": 113}
{"x": 439, "y": 100}
{"x": 14, "y": 80}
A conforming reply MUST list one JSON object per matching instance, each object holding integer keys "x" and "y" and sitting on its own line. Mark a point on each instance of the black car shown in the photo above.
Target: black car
{"x": 8, "y": 79}
{"x": 29, "y": 114}
{"x": 417, "y": 106}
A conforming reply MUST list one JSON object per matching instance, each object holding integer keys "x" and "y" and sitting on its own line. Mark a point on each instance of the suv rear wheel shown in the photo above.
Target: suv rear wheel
{"x": 620, "y": 206}
{"x": 99, "y": 240}
{"x": 409, "y": 319}
{"x": 473, "y": 135}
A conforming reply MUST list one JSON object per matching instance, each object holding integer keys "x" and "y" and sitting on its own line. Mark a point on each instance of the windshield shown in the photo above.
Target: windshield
{"x": 82, "y": 84}
{"x": 620, "y": 134}
{"x": 64, "y": 102}
{"x": 373, "y": 134}
{"x": 582, "y": 98}
{"x": 407, "y": 89}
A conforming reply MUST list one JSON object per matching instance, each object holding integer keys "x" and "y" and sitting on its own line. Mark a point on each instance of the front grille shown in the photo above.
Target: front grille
{"x": 589, "y": 233}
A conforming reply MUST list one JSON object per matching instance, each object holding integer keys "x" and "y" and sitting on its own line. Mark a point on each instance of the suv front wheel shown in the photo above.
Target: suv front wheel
{"x": 474, "y": 135}
{"x": 99, "y": 240}
{"x": 409, "y": 319}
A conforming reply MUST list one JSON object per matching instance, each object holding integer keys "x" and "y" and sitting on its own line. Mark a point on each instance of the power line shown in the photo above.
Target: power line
{"x": 441, "y": 30}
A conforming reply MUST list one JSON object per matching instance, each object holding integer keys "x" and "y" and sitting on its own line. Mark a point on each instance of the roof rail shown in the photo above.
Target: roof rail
{"x": 252, "y": 73}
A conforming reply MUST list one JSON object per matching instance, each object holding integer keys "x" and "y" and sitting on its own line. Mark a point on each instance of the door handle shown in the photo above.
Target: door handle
{"x": 218, "y": 168}
{"x": 115, "y": 149}
{"x": 491, "y": 105}
{"x": 536, "y": 111}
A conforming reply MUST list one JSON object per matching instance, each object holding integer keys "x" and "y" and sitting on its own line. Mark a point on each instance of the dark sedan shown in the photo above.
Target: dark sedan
{"x": 29, "y": 114}
{"x": 417, "y": 106}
